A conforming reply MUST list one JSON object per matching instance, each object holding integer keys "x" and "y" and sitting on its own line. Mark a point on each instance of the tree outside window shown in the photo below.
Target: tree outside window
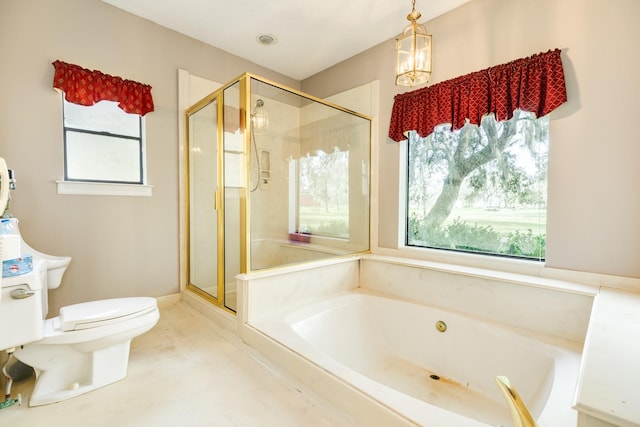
{"x": 323, "y": 197}
{"x": 480, "y": 189}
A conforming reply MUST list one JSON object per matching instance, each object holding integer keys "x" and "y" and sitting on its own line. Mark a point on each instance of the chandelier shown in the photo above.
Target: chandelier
{"x": 413, "y": 52}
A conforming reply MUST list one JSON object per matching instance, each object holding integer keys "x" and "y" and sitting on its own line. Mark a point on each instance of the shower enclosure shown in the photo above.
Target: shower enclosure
{"x": 274, "y": 177}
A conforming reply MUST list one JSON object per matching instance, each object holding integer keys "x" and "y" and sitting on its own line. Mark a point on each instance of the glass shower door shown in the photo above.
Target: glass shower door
{"x": 204, "y": 199}
{"x": 234, "y": 160}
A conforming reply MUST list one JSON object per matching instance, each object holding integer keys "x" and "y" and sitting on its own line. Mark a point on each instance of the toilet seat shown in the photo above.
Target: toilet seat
{"x": 104, "y": 318}
{"x": 94, "y": 314}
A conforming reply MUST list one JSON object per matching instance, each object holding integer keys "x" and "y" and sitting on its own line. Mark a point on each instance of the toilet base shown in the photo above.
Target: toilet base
{"x": 81, "y": 373}
{"x": 71, "y": 363}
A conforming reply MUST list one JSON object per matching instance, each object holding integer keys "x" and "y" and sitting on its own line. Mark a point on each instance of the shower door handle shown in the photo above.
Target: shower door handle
{"x": 217, "y": 202}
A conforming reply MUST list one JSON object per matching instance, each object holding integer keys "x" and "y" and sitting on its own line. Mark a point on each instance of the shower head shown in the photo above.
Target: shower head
{"x": 259, "y": 117}
{"x": 259, "y": 104}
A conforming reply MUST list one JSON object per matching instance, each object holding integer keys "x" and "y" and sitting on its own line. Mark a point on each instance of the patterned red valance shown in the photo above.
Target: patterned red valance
{"x": 535, "y": 84}
{"x": 86, "y": 87}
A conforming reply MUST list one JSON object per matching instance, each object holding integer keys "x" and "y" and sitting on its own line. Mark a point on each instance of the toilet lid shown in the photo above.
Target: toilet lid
{"x": 92, "y": 314}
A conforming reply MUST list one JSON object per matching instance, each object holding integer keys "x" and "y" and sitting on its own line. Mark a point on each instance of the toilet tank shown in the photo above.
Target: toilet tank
{"x": 21, "y": 307}
{"x": 56, "y": 265}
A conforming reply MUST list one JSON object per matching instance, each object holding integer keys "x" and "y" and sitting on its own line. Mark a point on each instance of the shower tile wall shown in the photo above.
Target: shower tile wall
{"x": 270, "y": 201}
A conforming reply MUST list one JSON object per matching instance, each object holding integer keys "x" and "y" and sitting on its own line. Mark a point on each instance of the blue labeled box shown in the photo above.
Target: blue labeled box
{"x": 17, "y": 266}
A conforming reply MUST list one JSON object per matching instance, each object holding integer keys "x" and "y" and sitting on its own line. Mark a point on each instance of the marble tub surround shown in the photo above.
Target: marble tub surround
{"x": 551, "y": 307}
{"x": 280, "y": 290}
{"x": 552, "y": 311}
{"x": 608, "y": 393}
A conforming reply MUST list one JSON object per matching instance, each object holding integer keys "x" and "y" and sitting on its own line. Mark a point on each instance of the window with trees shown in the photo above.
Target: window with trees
{"x": 477, "y": 157}
{"x": 323, "y": 196}
{"x": 480, "y": 188}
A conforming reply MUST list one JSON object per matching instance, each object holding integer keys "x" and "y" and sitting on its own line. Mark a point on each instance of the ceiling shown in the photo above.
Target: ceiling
{"x": 311, "y": 35}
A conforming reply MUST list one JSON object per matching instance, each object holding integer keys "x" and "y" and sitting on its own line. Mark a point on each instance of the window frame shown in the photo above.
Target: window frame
{"x": 84, "y": 186}
{"x": 404, "y": 212}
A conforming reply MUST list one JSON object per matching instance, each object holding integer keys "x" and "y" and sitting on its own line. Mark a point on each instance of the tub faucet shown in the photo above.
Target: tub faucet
{"x": 519, "y": 412}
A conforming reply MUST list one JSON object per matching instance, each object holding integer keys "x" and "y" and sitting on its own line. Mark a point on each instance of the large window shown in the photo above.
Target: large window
{"x": 102, "y": 143}
{"x": 480, "y": 189}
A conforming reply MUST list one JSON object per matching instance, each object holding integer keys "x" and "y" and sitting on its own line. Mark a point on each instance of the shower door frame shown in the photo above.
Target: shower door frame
{"x": 219, "y": 196}
{"x": 244, "y": 102}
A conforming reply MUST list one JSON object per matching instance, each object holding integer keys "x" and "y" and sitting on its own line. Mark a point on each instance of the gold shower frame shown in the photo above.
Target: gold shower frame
{"x": 244, "y": 81}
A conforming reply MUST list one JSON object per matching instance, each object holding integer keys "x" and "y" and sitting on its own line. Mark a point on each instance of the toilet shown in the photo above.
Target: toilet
{"x": 86, "y": 347}
{"x": 83, "y": 348}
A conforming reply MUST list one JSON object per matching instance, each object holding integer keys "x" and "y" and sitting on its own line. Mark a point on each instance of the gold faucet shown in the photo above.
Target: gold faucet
{"x": 519, "y": 412}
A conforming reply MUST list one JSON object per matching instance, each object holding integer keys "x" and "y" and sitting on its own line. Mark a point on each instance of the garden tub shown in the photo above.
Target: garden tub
{"x": 432, "y": 367}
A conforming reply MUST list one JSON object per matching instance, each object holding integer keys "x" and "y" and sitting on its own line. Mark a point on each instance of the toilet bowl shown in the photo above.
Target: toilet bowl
{"x": 83, "y": 348}
{"x": 86, "y": 347}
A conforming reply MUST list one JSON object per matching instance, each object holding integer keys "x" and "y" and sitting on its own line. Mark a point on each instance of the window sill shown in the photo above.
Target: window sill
{"x": 103, "y": 189}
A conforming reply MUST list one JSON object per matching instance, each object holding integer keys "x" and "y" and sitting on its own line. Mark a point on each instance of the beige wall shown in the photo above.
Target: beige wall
{"x": 121, "y": 246}
{"x": 594, "y": 196}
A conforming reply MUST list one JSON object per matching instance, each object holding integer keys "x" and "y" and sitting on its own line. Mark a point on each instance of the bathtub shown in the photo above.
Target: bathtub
{"x": 392, "y": 351}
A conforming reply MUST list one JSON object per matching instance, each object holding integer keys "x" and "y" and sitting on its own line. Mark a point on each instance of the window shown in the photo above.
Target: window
{"x": 480, "y": 189}
{"x": 323, "y": 196}
{"x": 102, "y": 143}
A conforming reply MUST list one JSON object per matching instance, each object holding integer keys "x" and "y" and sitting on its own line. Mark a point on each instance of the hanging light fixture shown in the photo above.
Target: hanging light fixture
{"x": 413, "y": 50}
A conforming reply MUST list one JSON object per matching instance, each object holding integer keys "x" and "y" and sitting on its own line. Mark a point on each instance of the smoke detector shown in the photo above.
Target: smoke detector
{"x": 266, "y": 39}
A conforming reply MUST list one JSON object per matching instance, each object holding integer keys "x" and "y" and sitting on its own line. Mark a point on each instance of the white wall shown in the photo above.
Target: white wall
{"x": 594, "y": 204}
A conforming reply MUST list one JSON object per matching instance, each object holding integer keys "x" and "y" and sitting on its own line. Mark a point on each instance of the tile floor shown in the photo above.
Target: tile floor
{"x": 187, "y": 371}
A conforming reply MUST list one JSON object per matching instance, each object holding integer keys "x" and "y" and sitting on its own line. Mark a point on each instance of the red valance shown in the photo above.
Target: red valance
{"x": 534, "y": 84}
{"x": 86, "y": 87}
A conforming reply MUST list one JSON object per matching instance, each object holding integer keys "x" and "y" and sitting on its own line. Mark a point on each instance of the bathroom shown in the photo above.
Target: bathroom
{"x": 128, "y": 246}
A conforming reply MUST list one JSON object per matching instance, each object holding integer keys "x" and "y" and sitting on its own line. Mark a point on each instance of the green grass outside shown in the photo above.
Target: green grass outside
{"x": 315, "y": 217}
{"x": 504, "y": 221}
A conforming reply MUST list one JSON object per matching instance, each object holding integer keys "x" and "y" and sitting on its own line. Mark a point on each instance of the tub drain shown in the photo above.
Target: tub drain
{"x": 434, "y": 377}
